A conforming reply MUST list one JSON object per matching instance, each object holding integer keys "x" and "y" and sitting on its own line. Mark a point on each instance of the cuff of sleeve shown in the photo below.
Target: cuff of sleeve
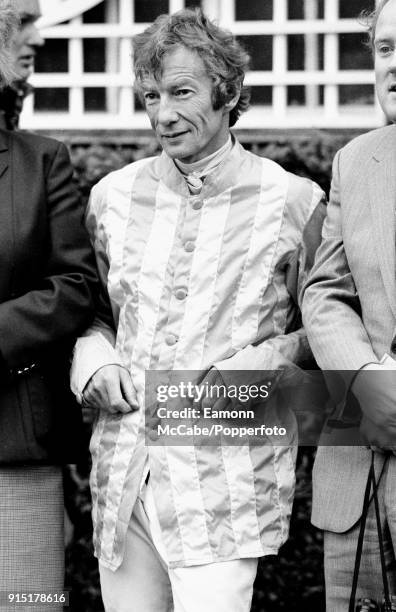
{"x": 386, "y": 363}
{"x": 90, "y": 354}
{"x": 342, "y": 414}
{"x": 371, "y": 365}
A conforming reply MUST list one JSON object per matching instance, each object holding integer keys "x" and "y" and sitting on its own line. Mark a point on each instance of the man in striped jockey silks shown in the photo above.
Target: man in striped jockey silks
{"x": 202, "y": 251}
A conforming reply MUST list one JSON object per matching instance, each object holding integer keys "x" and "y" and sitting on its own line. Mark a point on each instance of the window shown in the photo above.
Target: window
{"x": 352, "y": 8}
{"x": 261, "y": 95}
{"x": 51, "y": 99}
{"x": 357, "y": 95}
{"x": 310, "y": 66}
{"x": 54, "y": 57}
{"x": 260, "y": 50}
{"x": 297, "y": 8}
{"x": 250, "y": 10}
{"x": 148, "y": 10}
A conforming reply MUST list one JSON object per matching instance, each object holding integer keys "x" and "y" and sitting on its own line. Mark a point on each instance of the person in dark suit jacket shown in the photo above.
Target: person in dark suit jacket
{"x": 47, "y": 298}
{"x": 349, "y": 313}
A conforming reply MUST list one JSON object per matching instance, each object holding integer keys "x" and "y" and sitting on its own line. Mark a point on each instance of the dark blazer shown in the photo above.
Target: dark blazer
{"x": 47, "y": 298}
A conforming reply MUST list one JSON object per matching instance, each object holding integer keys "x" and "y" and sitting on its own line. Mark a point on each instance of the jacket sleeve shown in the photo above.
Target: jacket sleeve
{"x": 62, "y": 303}
{"x": 331, "y": 306}
{"x": 96, "y": 346}
{"x": 290, "y": 349}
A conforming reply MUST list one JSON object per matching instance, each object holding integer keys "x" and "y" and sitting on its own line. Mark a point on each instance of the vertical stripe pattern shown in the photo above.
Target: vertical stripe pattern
{"x": 194, "y": 280}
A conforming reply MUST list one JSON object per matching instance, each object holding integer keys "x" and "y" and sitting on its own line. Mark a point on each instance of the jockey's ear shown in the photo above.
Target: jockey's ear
{"x": 233, "y": 97}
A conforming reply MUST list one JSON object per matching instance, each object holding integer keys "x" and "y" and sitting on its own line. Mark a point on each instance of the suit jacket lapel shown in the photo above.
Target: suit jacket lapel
{"x": 382, "y": 192}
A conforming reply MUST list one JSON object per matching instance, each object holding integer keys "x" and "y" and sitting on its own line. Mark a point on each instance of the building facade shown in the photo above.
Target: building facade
{"x": 310, "y": 65}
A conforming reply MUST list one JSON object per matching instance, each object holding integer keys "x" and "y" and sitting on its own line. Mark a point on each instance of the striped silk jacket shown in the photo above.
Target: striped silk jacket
{"x": 197, "y": 281}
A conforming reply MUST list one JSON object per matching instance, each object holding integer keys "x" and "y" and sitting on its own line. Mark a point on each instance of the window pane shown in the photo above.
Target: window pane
{"x": 295, "y": 9}
{"x": 94, "y": 99}
{"x": 296, "y": 44}
{"x": 148, "y": 10}
{"x": 321, "y": 95}
{"x": 354, "y": 54}
{"x": 261, "y": 95}
{"x": 356, "y": 94}
{"x": 352, "y": 8}
{"x": 260, "y": 49}
{"x": 95, "y": 14}
{"x": 94, "y": 55}
{"x": 53, "y": 57}
{"x": 249, "y": 10}
{"x": 295, "y": 52}
{"x": 296, "y": 95}
{"x": 51, "y": 99}
{"x": 321, "y": 52}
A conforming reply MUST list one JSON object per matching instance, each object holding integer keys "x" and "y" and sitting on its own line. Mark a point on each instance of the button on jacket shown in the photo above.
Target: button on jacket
{"x": 197, "y": 281}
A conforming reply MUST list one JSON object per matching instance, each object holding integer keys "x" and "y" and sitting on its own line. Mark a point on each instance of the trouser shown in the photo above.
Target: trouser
{"x": 145, "y": 583}
{"x": 340, "y": 551}
{"x": 31, "y": 533}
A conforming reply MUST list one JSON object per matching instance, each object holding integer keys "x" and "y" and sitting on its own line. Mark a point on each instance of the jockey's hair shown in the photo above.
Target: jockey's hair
{"x": 224, "y": 58}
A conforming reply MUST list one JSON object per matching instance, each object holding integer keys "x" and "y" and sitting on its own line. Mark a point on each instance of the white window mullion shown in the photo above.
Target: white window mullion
{"x": 175, "y": 5}
{"x": 126, "y": 93}
{"x": 127, "y": 11}
{"x": 76, "y": 65}
{"x": 279, "y": 54}
{"x": 223, "y": 10}
{"x": 112, "y": 57}
{"x": 331, "y": 60}
{"x": 127, "y": 16}
{"x": 311, "y": 59}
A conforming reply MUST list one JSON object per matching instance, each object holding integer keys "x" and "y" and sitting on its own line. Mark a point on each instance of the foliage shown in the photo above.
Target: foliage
{"x": 309, "y": 155}
{"x": 293, "y": 580}
{"x": 93, "y": 163}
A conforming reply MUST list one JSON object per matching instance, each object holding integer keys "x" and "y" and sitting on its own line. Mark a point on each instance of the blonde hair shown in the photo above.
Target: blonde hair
{"x": 9, "y": 23}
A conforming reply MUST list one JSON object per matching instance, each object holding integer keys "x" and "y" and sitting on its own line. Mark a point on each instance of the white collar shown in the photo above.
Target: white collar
{"x": 206, "y": 165}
